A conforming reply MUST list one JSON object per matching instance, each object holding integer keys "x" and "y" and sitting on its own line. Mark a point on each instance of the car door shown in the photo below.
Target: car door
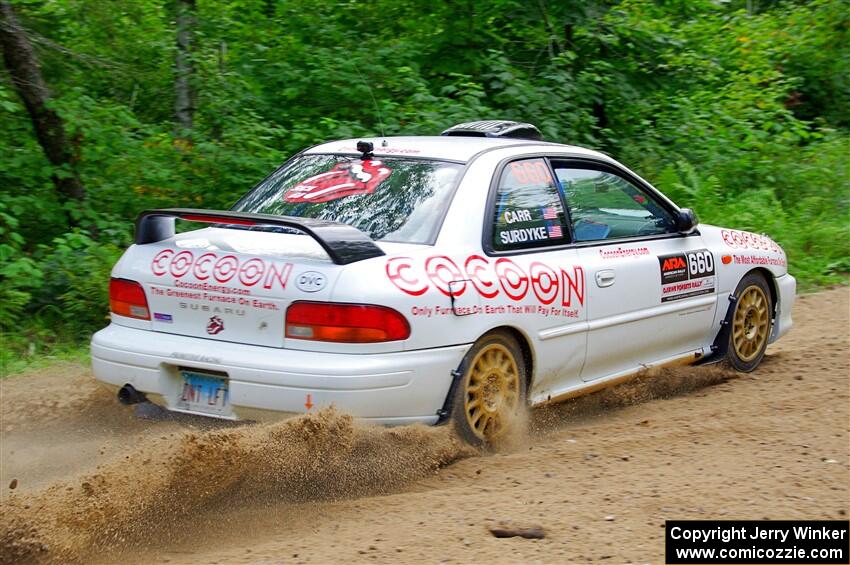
{"x": 651, "y": 290}
{"x": 526, "y": 237}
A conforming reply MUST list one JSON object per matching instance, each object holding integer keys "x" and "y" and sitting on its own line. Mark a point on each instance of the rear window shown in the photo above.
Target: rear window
{"x": 397, "y": 200}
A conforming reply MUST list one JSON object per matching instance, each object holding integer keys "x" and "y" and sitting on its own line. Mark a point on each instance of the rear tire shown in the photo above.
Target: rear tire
{"x": 751, "y": 323}
{"x": 489, "y": 396}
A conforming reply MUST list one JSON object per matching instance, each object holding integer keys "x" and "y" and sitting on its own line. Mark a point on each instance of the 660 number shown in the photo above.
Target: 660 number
{"x": 700, "y": 263}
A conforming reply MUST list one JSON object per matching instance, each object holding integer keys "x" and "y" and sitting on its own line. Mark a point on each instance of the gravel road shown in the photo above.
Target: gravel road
{"x": 94, "y": 482}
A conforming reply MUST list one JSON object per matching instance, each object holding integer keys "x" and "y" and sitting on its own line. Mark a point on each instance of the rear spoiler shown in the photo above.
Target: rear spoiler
{"x": 343, "y": 243}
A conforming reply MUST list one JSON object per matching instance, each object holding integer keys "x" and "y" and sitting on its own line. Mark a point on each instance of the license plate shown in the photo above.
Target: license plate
{"x": 204, "y": 393}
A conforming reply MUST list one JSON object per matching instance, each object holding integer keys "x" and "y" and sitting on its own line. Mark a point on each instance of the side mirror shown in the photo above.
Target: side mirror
{"x": 686, "y": 220}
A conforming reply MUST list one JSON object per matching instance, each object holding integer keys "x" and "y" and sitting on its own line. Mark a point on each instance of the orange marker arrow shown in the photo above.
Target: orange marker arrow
{"x": 309, "y": 403}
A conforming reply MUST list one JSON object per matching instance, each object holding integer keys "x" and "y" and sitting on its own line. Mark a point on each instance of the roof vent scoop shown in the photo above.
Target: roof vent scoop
{"x": 495, "y": 128}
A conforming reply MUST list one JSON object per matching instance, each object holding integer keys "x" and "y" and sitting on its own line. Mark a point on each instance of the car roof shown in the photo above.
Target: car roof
{"x": 450, "y": 148}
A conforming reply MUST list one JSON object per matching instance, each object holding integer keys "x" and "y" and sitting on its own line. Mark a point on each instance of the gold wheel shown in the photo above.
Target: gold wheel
{"x": 751, "y": 323}
{"x": 492, "y": 391}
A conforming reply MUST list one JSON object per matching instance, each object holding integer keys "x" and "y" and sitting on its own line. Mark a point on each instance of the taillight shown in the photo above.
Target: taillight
{"x": 345, "y": 323}
{"x": 127, "y": 298}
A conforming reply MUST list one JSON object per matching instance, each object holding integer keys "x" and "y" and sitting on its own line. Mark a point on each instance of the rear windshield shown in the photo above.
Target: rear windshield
{"x": 391, "y": 199}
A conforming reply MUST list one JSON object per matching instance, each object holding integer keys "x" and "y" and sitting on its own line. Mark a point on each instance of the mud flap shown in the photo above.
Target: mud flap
{"x": 445, "y": 412}
{"x": 721, "y": 342}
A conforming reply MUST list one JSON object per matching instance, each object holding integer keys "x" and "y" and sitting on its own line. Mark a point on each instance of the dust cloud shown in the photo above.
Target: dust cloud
{"x": 146, "y": 495}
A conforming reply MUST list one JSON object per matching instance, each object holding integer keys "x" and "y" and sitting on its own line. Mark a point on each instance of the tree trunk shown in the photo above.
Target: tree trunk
{"x": 554, "y": 45}
{"x": 184, "y": 100}
{"x": 22, "y": 63}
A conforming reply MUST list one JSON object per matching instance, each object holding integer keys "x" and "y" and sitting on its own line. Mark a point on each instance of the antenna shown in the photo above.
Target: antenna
{"x": 375, "y": 102}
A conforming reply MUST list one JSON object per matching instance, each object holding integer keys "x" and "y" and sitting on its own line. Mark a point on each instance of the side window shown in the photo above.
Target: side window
{"x": 606, "y": 206}
{"x": 528, "y": 211}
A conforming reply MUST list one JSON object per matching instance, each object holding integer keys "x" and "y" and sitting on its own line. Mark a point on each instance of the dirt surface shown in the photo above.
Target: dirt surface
{"x": 93, "y": 482}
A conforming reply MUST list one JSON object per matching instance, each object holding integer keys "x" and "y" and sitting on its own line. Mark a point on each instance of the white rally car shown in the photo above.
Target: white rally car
{"x": 426, "y": 279}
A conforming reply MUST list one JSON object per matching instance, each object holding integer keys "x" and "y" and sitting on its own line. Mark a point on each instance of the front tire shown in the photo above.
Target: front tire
{"x": 751, "y": 323}
{"x": 489, "y": 396}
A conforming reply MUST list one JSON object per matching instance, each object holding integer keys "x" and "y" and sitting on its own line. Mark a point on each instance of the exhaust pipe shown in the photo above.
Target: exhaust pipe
{"x": 128, "y": 395}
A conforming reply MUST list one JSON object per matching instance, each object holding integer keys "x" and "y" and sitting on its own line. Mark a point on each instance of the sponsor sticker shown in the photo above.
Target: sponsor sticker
{"x": 344, "y": 179}
{"x": 560, "y": 289}
{"x": 684, "y": 275}
{"x": 311, "y": 281}
{"x": 387, "y": 150}
{"x": 214, "y": 271}
{"x": 674, "y": 268}
{"x": 758, "y": 260}
{"x": 746, "y": 240}
{"x": 620, "y": 252}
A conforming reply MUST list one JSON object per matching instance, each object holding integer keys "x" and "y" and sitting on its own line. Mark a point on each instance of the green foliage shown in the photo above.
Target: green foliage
{"x": 57, "y": 297}
{"x": 801, "y": 202}
{"x": 737, "y": 109}
{"x": 73, "y": 295}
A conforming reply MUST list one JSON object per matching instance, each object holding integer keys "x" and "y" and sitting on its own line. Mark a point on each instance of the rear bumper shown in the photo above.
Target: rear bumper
{"x": 786, "y": 287}
{"x": 388, "y": 388}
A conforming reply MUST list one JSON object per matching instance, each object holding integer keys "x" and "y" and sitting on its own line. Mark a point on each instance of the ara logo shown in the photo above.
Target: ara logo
{"x": 673, "y": 263}
{"x": 311, "y": 281}
{"x": 215, "y": 325}
{"x": 674, "y": 268}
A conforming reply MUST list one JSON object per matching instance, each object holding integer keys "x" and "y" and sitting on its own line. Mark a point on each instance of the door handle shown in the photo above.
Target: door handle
{"x": 605, "y": 278}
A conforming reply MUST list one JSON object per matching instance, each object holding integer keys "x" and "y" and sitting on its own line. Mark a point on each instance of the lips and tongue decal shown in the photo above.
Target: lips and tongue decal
{"x": 343, "y": 180}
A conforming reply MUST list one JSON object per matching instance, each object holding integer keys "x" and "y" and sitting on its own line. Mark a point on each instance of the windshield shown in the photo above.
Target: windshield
{"x": 397, "y": 200}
